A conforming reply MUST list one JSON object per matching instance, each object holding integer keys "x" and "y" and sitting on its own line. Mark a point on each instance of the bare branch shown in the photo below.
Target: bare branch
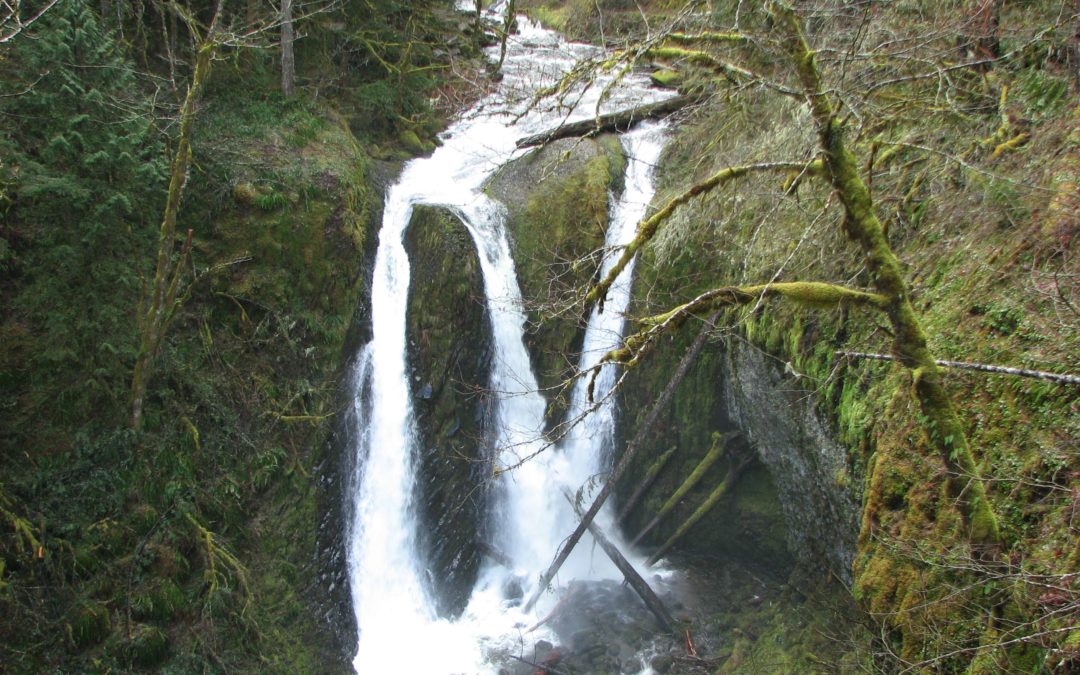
{"x": 984, "y": 367}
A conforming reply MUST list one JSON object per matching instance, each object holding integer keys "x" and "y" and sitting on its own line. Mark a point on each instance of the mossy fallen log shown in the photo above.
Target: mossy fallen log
{"x": 651, "y": 474}
{"x": 722, "y": 489}
{"x": 616, "y": 121}
{"x": 717, "y": 450}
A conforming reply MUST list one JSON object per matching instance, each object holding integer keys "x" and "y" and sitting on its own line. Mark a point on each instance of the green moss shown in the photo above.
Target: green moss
{"x": 91, "y": 625}
{"x": 555, "y": 228}
{"x": 146, "y": 646}
{"x": 160, "y": 599}
{"x": 411, "y": 142}
{"x": 666, "y": 77}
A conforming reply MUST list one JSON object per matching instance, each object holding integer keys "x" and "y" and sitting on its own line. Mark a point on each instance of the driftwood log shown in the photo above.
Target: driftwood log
{"x": 616, "y": 121}
{"x": 631, "y": 450}
{"x": 633, "y": 579}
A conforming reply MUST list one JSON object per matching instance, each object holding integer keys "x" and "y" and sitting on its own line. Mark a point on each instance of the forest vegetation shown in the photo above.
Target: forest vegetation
{"x": 189, "y": 197}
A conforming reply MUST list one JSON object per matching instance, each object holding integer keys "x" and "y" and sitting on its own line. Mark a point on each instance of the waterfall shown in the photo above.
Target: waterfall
{"x": 396, "y": 620}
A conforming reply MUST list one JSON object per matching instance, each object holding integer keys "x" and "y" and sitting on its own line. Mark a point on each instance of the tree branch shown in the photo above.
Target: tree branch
{"x": 811, "y": 294}
{"x": 647, "y": 228}
{"x": 984, "y": 367}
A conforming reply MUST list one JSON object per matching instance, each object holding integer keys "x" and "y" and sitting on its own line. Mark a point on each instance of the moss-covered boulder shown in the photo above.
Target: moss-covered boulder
{"x": 449, "y": 338}
{"x": 558, "y": 199}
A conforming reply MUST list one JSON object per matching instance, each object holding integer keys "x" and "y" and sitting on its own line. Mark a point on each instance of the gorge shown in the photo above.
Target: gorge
{"x": 299, "y": 350}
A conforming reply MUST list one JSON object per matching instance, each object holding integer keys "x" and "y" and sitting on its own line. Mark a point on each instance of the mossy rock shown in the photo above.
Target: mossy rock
{"x": 410, "y": 140}
{"x": 91, "y": 625}
{"x": 301, "y": 229}
{"x": 449, "y": 338}
{"x": 557, "y": 199}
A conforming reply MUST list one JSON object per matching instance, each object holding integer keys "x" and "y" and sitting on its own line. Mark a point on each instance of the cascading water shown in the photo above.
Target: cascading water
{"x": 394, "y": 612}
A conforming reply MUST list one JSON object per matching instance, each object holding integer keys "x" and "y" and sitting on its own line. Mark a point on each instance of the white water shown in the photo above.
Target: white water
{"x": 395, "y": 617}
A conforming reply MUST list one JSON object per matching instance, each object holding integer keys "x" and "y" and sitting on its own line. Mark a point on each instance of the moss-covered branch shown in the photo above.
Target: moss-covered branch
{"x": 726, "y": 68}
{"x": 943, "y": 426}
{"x": 709, "y": 36}
{"x": 810, "y": 294}
{"x": 648, "y": 228}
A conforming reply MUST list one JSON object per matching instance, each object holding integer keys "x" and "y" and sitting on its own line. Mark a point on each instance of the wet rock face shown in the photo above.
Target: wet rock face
{"x": 557, "y": 200}
{"x": 806, "y": 463}
{"x": 449, "y": 342}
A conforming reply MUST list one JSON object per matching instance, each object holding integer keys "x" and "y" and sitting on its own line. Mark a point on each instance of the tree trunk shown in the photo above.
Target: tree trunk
{"x": 715, "y": 453}
{"x": 631, "y": 451}
{"x": 650, "y": 477}
{"x": 159, "y": 301}
{"x": 622, "y": 120}
{"x": 633, "y": 579}
{"x": 985, "y": 29}
{"x": 288, "y": 60}
{"x": 944, "y": 429}
{"x": 719, "y": 491}
{"x": 508, "y": 24}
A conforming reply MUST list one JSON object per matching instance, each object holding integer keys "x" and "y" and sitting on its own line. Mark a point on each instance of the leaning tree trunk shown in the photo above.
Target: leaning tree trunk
{"x": 861, "y": 225}
{"x": 635, "y": 444}
{"x": 633, "y": 579}
{"x": 159, "y": 301}
{"x": 508, "y": 24}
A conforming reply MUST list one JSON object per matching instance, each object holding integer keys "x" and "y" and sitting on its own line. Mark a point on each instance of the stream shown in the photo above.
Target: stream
{"x": 529, "y": 518}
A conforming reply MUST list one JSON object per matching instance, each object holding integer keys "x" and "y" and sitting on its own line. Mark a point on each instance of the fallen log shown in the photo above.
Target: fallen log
{"x": 631, "y": 450}
{"x": 495, "y": 554}
{"x": 719, "y": 445}
{"x": 633, "y": 579}
{"x": 616, "y": 121}
{"x": 706, "y": 506}
{"x": 651, "y": 474}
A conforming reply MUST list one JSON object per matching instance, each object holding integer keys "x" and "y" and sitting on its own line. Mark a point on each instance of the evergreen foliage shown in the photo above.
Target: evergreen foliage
{"x": 153, "y": 549}
{"x": 86, "y": 170}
